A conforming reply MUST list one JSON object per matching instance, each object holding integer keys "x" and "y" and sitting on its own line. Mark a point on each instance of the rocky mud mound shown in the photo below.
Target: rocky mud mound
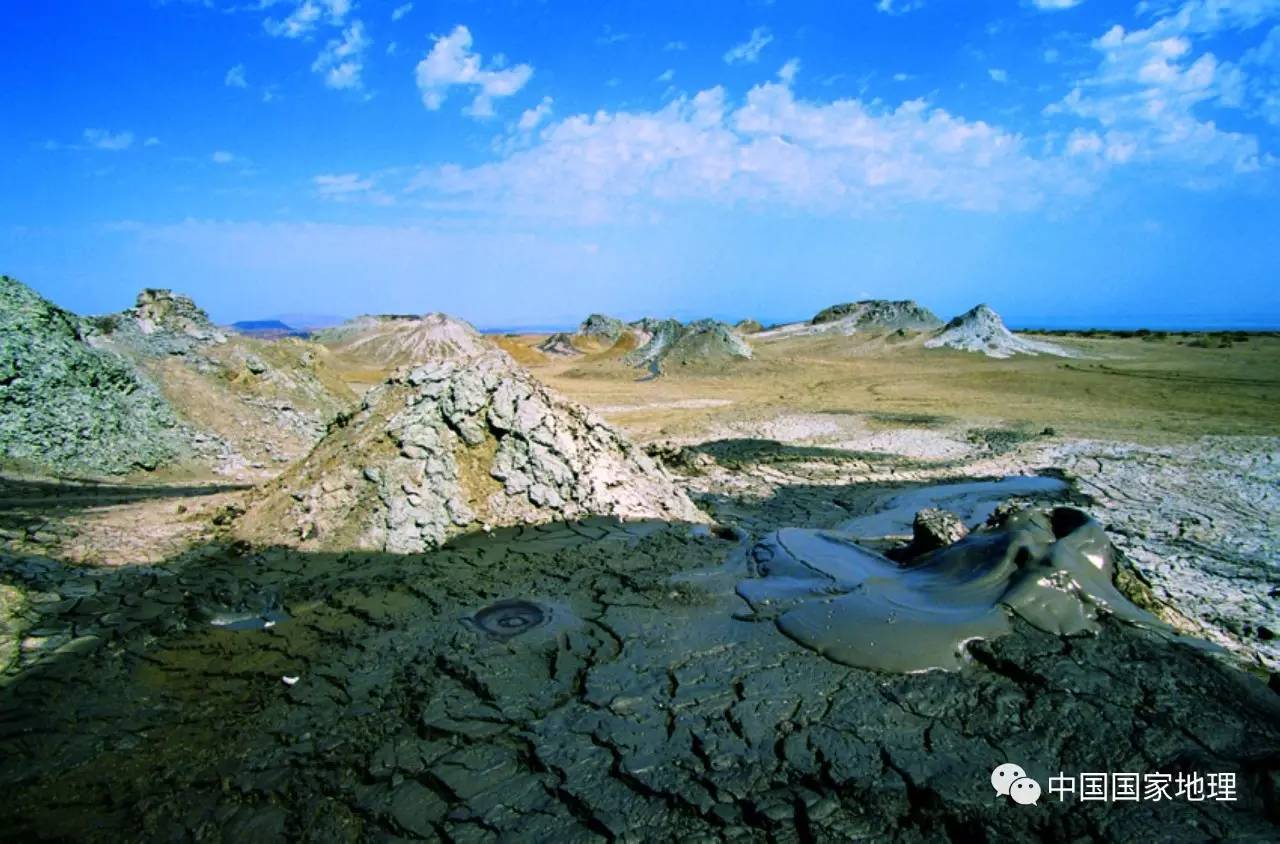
{"x": 67, "y": 407}
{"x": 982, "y": 330}
{"x": 263, "y": 403}
{"x": 393, "y": 341}
{"x": 748, "y": 326}
{"x": 669, "y": 343}
{"x": 1053, "y": 569}
{"x": 458, "y": 446}
{"x": 877, "y": 315}
{"x": 559, "y": 344}
{"x": 606, "y": 329}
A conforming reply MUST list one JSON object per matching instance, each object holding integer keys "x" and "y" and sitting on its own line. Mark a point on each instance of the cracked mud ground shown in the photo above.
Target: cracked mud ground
{"x": 640, "y": 704}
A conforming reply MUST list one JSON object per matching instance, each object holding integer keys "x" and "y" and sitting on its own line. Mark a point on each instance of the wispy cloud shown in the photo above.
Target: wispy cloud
{"x": 998, "y": 74}
{"x": 306, "y": 15}
{"x": 749, "y": 51}
{"x": 898, "y": 7}
{"x": 222, "y": 157}
{"x": 1055, "y": 5}
{"x": 342, "y": 59}
{"x": 349, "y": 186}
{"x": 400, "y": 11}
{"x": 103, "y": 139}
{"x": 611, "y": 36}
{"x": 235, "y": 77}
{"x": 675, "y": 46}
{"x": 451, "y": 63}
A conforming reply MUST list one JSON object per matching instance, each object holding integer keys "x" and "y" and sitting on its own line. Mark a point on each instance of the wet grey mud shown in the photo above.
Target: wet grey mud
{"x": 1052, "y": 568}
{"x": 604, "y": 681}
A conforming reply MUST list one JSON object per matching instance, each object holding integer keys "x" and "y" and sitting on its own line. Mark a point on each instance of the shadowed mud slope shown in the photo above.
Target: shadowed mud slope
{"x": 580, "y": 682}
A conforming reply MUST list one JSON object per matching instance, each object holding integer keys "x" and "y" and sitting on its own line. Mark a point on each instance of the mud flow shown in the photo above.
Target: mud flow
{"x": 1052, "y": 569}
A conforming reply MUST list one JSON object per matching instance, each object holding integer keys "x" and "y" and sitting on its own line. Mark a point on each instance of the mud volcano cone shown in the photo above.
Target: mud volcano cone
{"x": 451, "y": 447}
{"x": 981, "y": 329}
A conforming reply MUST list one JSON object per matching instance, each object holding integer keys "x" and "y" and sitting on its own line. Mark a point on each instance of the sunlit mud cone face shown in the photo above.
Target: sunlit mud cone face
{"x": 1051, "y": 569}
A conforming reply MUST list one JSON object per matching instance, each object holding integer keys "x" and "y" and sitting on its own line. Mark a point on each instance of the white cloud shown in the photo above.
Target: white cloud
{"x": 902, "y": 77}
{"x": 1264, "y": 88}
{"x": 898, "y": 7}
{"x": 345, "y": 187}
{"x": 235, "y": 78}
{"x": 391, "y": 48}
{"x": 773, "y": 149}
{"x": 1150, "y": 85}
{"x": 749, "y": 50}
{"x": 222, "y": 157}
{"x": 451, "y": 63}
{"x": 102, "y": 139}
{"x": 1055, "y": 5}
{"x": 400, "y": 11}
{"x": 675, "y": 46}
{"x": 306, "y": 15}
{"x": 788, "y": 71}
{"x": 666, "y": 75}
{"x": 152, "y": 141}
{"x": 531, "y": 118}
{"x": 342, "y": 59}
{"x": 998, "y": 74}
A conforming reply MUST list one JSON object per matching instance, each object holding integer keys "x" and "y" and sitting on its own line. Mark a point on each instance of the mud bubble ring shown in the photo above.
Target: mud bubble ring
{"x": 509, "y": 618}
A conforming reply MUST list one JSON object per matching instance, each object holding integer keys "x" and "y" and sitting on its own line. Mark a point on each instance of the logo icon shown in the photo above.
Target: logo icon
{"x": 1010, "y": 780}
{"x": 1025, "y": 791}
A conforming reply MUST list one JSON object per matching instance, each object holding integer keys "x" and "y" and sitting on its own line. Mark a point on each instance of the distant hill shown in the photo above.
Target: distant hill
{"x": 266, "y": 329}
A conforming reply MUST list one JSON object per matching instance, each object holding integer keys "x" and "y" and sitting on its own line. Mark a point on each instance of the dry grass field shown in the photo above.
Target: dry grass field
{"x": 1132, "y": 389}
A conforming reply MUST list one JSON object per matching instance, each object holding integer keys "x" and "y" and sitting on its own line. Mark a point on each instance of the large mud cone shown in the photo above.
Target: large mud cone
{"x": 878, "y": 314}
{"x": 604, "y": 328}
{"x": 452, "y": 447}
{"x": 560, "y": 344}
{"x": 668, "y": 342}
{"x": 393, "y": 341}
{"x": 66, "y": 406}
{"x": 982, "y": 330}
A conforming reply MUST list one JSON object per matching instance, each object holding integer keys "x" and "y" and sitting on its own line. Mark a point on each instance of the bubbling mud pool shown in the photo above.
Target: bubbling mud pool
{"x": 1052, "y": 568}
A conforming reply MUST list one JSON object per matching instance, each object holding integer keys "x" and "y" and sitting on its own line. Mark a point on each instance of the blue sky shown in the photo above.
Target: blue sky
{"x": 520, "y": 163}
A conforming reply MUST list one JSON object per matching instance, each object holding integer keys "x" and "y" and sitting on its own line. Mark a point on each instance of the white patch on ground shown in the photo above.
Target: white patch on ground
{"x": 680, "y": 404}
{"x": 919, "y": 443}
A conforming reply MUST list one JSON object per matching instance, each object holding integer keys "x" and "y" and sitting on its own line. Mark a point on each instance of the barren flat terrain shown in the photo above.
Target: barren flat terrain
{"x": 600, "y": 679}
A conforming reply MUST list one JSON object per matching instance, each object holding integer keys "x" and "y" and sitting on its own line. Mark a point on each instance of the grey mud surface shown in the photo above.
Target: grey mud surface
{"x": 634, "y": 701}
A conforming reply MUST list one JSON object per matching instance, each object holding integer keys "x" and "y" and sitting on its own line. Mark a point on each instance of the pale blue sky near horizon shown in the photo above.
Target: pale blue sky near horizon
{"x": 521, "y": 163}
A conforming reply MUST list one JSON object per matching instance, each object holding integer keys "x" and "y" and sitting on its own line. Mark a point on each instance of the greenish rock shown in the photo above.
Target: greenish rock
{"x": 71, "y": 408}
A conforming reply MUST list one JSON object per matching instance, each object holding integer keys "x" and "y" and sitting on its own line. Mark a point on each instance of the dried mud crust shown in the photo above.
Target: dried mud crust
{"x": 637, "y": 708}
{"x": 1200, "y": 522}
